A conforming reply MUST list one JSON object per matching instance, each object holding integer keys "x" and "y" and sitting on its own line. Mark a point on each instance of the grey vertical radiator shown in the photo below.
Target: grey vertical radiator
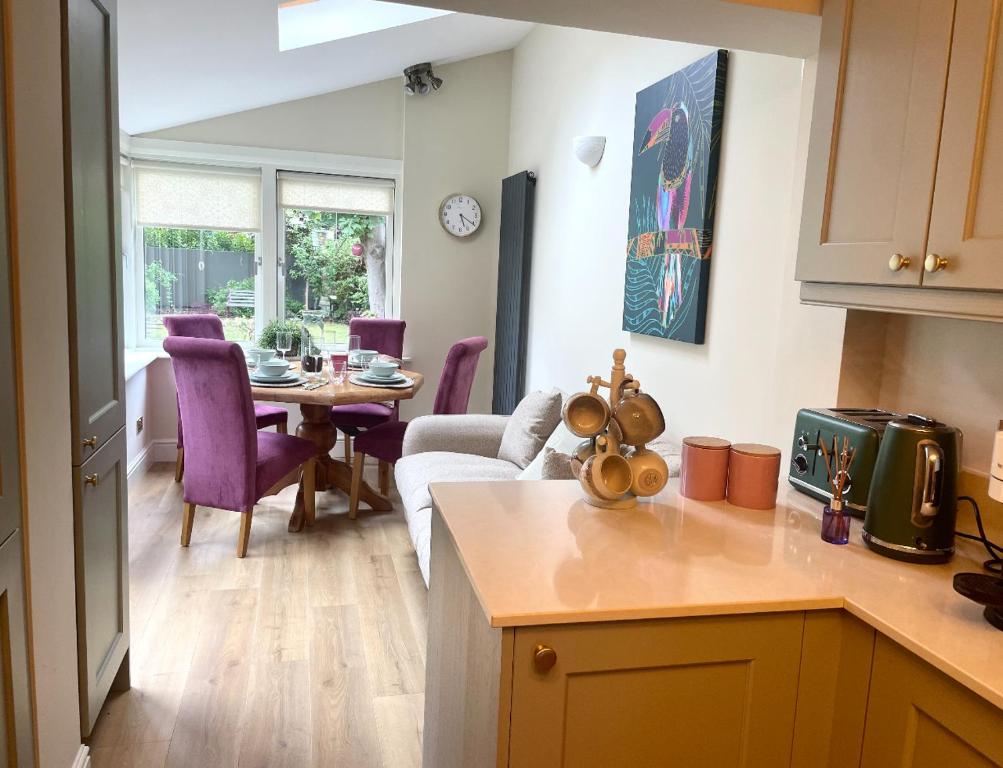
{"x": 512, "y": 314}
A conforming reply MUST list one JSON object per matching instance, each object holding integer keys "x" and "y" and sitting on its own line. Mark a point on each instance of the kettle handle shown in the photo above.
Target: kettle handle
{"x": 933, "y": 480}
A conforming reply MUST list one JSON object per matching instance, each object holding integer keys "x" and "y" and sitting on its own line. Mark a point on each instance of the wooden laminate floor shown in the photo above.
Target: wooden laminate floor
{"x": 309, "y": 652}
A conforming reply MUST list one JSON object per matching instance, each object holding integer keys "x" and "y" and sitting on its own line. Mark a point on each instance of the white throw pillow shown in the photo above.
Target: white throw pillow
{"x": 529, "y": 426}
{"x": 560, "y": 440}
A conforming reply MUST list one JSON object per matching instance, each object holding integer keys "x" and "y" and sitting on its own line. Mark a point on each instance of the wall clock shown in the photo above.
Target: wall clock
{"x": 460, "y": 215}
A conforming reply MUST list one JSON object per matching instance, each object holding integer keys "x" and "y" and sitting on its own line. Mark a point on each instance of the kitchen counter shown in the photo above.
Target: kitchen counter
{"x": 536, "y": 554}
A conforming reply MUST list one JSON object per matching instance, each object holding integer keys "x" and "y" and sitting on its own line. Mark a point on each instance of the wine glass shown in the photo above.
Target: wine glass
{"x": 283, "y": 342}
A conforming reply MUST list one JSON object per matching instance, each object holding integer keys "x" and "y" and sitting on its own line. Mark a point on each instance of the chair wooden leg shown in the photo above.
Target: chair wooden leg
{"x": 179, "y": 466}
{"x": 353, "y": 499}
{"x": 245, "y": 533}
{"x": 187, "y": 521}
{"x": 348, "y": 447}
{"x": 384, "y": 478}
{"x": 282, "y": 428}
{"x": 310, "y": 491}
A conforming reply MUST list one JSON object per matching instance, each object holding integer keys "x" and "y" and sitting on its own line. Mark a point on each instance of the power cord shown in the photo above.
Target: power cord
{"x": 995, "y": 562}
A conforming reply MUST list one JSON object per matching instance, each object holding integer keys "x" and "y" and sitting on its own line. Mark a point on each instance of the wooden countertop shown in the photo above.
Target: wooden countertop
{"x": 536, "y": 553}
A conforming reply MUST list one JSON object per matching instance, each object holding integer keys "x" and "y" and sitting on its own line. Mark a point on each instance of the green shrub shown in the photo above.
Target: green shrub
{"x": 267, "y": 340}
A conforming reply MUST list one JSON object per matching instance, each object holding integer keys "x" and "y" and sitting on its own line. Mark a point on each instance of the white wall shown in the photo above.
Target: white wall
{"x": 40, "y": 249}
{"x": 765, "y": 355}
{"x": 455, "y": 141}
{"x": 365, "y": 121}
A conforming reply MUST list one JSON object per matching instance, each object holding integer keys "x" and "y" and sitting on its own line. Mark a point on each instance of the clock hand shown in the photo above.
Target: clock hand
{"x": 465, "y": 219}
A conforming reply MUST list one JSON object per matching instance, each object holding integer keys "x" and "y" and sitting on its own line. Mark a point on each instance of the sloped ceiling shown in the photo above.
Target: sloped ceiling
{"x": 187, "y": 60}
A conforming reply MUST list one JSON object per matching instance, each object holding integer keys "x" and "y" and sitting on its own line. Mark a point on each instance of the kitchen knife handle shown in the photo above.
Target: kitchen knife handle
{"x": 933, "y": 480}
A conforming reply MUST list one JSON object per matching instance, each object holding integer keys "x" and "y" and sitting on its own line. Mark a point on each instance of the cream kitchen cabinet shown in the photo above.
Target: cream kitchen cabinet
{"x": 904, "y": 184}
{"x": 917, "y": 716}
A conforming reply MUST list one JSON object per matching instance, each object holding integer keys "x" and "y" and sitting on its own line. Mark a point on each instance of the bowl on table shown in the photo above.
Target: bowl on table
{"x": 383, "y": 369}
{"x": 362, "y": 357}
{"x": 272, "y": 369}
{"x": 258, "y": 355}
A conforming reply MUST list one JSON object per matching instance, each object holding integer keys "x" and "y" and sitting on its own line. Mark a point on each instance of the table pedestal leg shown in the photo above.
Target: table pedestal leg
{"x": 331, "y": 473}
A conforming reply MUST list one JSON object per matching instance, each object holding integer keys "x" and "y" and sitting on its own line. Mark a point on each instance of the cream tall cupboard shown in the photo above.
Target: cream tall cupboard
{"x": 904, "y": 187}
{"x": 97, "y": 381}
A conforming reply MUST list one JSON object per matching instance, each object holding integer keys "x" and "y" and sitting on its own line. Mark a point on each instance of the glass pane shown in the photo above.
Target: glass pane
{"x": 335, "y": 263}
{"x": 198, "y": 271}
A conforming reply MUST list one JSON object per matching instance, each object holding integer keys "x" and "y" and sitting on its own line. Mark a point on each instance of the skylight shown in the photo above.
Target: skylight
{"x": 309, "y": 22}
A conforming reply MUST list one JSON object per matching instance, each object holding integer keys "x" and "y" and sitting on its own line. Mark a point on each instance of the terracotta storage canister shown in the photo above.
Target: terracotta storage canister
{"x": 704, "y": 473}
{"x": 753, "y": 474}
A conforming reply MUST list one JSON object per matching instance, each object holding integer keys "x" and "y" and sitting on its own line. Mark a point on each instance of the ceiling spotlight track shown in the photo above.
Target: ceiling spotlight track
{"x": 419, "y": 80}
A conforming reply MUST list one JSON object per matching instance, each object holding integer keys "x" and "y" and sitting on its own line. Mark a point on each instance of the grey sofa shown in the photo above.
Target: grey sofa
{"x": 446, "y": 449}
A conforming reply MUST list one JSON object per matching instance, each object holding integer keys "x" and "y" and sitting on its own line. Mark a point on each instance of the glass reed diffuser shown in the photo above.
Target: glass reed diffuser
{"x": 835, "y": 518}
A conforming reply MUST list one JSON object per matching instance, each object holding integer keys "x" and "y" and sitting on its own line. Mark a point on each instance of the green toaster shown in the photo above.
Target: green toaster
{"x": 817, "y": 426}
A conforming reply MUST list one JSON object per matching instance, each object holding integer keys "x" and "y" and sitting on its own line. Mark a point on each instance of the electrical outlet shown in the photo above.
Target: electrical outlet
{"x": 139, "y": 425}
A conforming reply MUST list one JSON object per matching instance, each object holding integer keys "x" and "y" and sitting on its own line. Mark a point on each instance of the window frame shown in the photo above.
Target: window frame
{"x": 269, "y": 249}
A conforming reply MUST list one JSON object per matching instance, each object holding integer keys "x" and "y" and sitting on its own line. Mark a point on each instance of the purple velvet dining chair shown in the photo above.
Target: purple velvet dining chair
{"x": 385, "y": 441}
{"x": 211, "y": 327}
{"x": 231, "y": 465}
{"x": 387, "y": 337}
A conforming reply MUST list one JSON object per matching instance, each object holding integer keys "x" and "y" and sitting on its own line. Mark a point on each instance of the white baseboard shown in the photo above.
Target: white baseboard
{"x": 83, "y": 758}
{"x": 155, "y": 452}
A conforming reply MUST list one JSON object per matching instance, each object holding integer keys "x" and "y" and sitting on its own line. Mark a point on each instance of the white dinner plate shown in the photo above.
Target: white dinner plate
{"x": 287, "y": 376}
{"x": 397, "y": 378}
{"x": 294, "y": 382}
{"x": 356, "y": 378}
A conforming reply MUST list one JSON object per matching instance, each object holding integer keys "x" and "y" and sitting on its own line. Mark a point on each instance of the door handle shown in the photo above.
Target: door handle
{"x": 90, "y": 442}
{"x": 91, "y": 480}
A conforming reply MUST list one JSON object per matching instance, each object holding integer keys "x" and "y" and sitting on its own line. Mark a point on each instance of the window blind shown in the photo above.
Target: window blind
{"x": 198, "y": 198}
{"x": 338, "y": 194}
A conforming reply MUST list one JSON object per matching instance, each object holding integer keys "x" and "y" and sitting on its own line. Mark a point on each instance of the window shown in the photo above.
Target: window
{"x": 224, "y": 229}
{"x": 198, "y": 231}
{"x": 334, "y": 247}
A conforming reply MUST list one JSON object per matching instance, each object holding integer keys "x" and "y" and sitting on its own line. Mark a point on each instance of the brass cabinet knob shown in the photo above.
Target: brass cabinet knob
{"x": 544, "y": 658}
{"x": 90, "y": 442}
{"x": 898, "y": 262}
{"x": 90, "y": 479}
{"x": 934, "y": 263}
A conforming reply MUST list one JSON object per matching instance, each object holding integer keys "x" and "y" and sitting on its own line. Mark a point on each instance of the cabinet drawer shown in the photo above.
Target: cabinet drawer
{"x": 695, "y": 692}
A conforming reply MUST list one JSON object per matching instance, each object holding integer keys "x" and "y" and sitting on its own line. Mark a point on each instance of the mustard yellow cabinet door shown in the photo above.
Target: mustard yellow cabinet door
{"x": 966, "y": 228}
{"x": 708, "y": 692}
{"x": 918, "y": 717}
{"x": 872, "y": 155}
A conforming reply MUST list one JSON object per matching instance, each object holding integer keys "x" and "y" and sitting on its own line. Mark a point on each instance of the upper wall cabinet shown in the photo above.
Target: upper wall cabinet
{"x": 882, "y": 71}
{"x": 904, "y": 187}
{"x": 966, "y": 226}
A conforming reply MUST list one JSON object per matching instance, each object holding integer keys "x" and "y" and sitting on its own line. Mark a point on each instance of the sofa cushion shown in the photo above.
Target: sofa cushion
{"x": 529, "y": 426}
{"x": 561, "y": 440}
{"x": 414, "y": 473}
{"x": 557, "y": 465}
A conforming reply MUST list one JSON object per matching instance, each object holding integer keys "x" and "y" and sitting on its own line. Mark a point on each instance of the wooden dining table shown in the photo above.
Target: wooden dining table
{"x": 315, "y": 407}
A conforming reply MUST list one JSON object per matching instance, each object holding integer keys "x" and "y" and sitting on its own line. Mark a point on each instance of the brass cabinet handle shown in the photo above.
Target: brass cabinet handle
{"x": 544, "y": 658}
{"x": 91, "y": 480}
{"x": 934, "y": 263}
{"x": 898, "y": 262}
{"x": 90, "y": 442}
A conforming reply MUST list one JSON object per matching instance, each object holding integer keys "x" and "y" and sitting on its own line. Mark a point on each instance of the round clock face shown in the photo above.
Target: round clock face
{"x": 460, "y": 215}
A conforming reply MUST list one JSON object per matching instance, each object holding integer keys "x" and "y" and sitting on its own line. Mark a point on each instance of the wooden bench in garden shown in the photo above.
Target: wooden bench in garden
{"x": 240, "y": 299}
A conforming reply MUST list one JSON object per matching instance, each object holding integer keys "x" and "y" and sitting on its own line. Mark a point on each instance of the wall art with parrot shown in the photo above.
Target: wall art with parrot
{"x": 677, "y": 145}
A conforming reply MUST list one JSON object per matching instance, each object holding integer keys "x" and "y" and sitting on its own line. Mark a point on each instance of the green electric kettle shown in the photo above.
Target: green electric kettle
{"x": 912, "y": 504}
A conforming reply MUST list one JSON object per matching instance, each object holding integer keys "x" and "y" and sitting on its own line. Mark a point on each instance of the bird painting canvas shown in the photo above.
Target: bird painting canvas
{"x": 677, "y": 143}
